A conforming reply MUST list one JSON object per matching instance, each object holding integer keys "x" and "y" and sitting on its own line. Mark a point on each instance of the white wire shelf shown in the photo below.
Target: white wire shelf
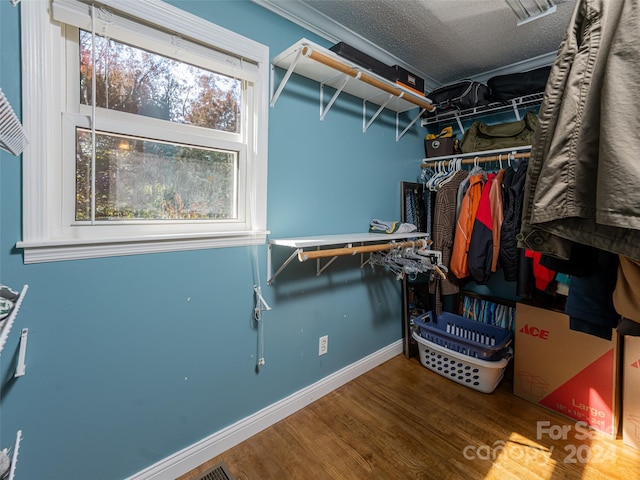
{"x": 12, "y": 136}
{"x": 14, "y": 457}
{"x": 7, "y": 323}
{"x": 514, "y": 105}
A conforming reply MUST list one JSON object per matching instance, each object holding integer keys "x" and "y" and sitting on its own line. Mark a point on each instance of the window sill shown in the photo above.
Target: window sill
{"x": 62, "y": 250}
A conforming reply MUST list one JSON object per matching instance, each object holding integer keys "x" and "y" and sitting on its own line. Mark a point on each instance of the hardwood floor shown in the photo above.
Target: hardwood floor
{"x": 402, "y": 421}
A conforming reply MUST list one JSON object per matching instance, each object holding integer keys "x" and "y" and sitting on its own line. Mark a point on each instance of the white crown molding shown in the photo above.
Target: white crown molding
{"x": 305, "y": 16}
{"x": 195, "y": 455}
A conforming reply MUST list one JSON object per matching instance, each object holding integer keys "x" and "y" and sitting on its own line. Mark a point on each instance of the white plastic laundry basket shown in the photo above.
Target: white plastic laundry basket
{"x": 481, "y": 375}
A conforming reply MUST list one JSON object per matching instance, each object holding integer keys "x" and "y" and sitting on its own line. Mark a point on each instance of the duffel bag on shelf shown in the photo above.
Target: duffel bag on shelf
{"x": 480, "y": 136}
{"x": 507, "y": 87}
{"x": 460, "y": 95}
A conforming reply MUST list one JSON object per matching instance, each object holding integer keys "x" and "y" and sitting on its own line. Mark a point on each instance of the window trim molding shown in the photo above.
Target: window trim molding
{"x": 40, "y": 242}
{"x": 52, "y": 251}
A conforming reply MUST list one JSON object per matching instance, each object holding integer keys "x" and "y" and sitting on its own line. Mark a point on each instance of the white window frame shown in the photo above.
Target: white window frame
{"x": 48, "y": 234}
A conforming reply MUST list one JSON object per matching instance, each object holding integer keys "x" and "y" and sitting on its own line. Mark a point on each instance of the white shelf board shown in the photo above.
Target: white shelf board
{"x": 314, "y": 70}
{"x": 324, "y": 240}
{"x": 299, "y": 243}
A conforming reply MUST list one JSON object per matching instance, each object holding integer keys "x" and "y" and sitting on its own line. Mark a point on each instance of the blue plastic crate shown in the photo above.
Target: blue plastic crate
{"x": 463, "y": 335}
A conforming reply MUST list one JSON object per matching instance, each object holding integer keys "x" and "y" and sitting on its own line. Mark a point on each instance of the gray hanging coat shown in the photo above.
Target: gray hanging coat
{"x": 583, "y": 178}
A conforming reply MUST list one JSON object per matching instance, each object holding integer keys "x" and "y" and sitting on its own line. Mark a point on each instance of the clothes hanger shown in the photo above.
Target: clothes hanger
{"x": 426, "y": 174}
{"x": 431, "y": 181}
{"x": 476, "y": 166}
{"x": 441, "y": 172}
{"x": 451, "y": 170}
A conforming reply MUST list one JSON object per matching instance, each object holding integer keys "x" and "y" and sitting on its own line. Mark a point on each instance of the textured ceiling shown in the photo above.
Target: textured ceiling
{"x": 441, "y": 40}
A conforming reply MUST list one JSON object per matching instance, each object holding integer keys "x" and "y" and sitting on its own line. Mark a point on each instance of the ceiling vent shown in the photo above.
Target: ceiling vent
{"x": 529, "y": 10}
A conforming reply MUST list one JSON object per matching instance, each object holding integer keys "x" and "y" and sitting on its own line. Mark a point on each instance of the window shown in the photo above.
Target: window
{"x": 152, "y": 137}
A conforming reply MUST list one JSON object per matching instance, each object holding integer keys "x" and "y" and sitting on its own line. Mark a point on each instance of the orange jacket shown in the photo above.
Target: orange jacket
{"x": 459, "y": 265}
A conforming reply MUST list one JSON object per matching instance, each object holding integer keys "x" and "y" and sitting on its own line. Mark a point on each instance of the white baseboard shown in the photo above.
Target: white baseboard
{"x": 195, "y": 455}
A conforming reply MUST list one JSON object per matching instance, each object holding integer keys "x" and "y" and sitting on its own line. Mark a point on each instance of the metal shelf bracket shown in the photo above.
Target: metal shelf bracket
{"x": 324, "y": 110}
{"x": 22, "y": 353}
{"x": 272, "y": 276}
{"x": 415, "y": 119}
{"x": 285, "y": 79}
{"x": 365, "y": 124}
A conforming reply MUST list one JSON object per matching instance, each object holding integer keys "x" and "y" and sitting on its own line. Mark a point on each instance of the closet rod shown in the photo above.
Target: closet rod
{"x": 335, "y": 252}
{"x": 479, "y": 159}
{"x": 363, "y": 77}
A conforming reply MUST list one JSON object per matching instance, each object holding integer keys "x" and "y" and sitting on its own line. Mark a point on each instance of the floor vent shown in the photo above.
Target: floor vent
{"x": 220, "y": 471}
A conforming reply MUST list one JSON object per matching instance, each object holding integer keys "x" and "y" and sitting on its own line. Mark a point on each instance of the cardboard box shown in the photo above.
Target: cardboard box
{"x": 631, "y": 392}
{"x": 569, "y": 372}
{"x": 404, "y": 77}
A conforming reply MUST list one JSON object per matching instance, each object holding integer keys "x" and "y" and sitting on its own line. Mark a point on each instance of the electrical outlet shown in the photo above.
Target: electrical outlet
{"x": 323, "y": 345}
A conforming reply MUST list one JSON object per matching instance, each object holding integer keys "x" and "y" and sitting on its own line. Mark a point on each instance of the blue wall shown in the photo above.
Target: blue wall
{"x": 131, "y": 359}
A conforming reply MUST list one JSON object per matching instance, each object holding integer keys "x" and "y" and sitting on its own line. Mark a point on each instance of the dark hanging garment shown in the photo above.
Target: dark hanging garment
{"x": 512, "y": 198}
{"x": 580, "y": 263}
{"x": 524, "y": 281}
{"x": 590, "y": 302}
